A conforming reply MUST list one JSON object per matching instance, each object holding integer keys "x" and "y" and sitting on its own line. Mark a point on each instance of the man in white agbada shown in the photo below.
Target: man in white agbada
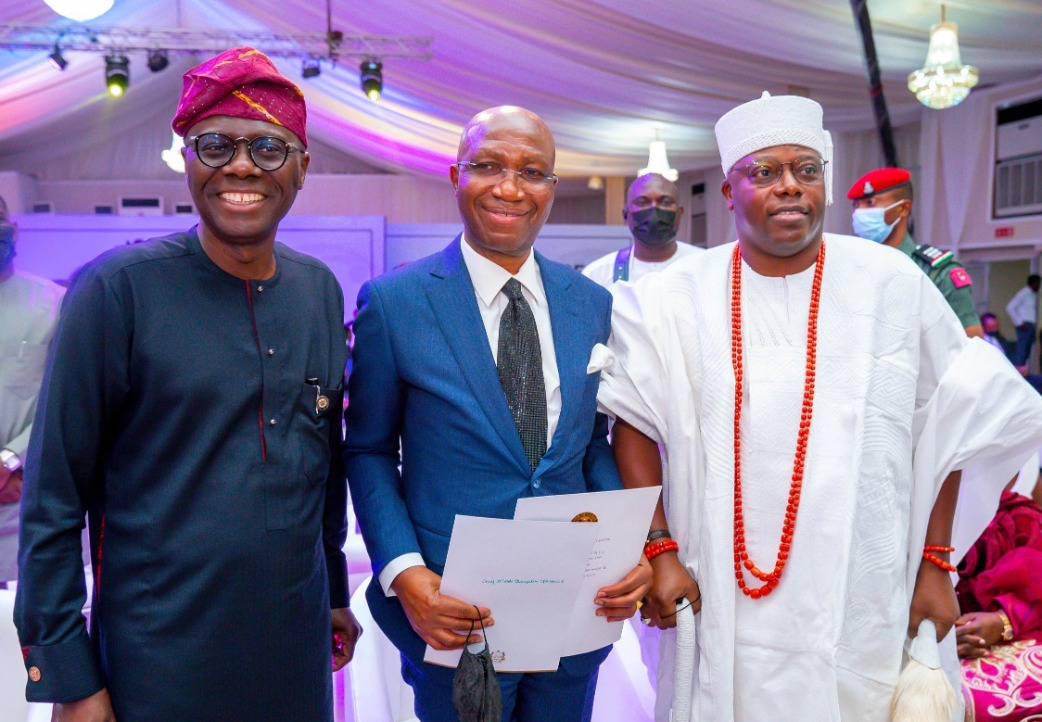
{"x": 894, "y": 400}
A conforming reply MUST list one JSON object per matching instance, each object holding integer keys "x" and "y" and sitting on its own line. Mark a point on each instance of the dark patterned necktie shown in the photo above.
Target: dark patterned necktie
{"x": 520, "y": 364}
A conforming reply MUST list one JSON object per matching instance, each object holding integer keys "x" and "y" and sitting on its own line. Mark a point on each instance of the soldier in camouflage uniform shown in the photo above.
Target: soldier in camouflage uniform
{"x": 882, "y": 201}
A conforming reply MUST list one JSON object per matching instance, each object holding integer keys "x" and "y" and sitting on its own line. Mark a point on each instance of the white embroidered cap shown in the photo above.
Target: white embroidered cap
{"x": 774, "y": 120}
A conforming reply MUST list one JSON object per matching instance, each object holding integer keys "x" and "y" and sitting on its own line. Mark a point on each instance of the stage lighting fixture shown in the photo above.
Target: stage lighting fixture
{"x": 311, "y": 68}
{"x": 372, "y": 79}
{"x": 57, "y": 59}
{"x": 157, "y": 60}
{"x": 117, "y": 74}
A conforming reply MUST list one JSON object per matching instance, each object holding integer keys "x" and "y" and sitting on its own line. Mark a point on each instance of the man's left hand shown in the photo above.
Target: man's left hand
{"x": 618, "y": 602}
{"x": 934, "y": 599}
{"x": 346, "y": 631}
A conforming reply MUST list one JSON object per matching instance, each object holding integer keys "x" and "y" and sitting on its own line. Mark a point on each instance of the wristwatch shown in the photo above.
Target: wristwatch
{"x": 1007, "y": 628}
{"x": 10, "y": 460}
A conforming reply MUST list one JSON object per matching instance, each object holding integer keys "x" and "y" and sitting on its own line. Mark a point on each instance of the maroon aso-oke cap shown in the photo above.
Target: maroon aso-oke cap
{"x": 241, "y": 83}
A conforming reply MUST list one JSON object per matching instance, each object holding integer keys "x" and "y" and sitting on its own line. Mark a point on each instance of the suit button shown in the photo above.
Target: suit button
{"x": 536, "y": 483}
{"x": 34, "y": 674}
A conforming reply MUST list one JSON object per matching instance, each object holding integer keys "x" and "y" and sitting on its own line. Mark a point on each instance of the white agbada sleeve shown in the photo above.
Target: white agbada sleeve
{"x": 653, "y": 387}
{"x": 974, "y": 413}
{"x": 978, "y": 415}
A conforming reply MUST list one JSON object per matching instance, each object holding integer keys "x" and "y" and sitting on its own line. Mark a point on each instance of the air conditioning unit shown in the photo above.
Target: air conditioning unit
{"x": 184, "y": 209}
{"x": 103, "y": 209}
{"x": 141, "y": 206}
{"x": 43, "y": 207}
{"x": 1018, "y": 160}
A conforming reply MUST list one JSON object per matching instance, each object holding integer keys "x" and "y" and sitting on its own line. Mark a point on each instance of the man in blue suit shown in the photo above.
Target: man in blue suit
{"x": 474, "y": 365}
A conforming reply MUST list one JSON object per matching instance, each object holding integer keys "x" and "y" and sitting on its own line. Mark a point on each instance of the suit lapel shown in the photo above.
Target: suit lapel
{"x": 570, "y": 336}
{"x": 452, "y": 297}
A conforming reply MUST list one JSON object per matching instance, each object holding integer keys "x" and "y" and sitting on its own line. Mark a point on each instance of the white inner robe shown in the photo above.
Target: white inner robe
{"x": 902, "y": 398}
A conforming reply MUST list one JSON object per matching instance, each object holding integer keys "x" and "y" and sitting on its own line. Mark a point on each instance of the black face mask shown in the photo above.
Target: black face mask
{"x": 475, "y": 691}
{"x": 653, "y": 226}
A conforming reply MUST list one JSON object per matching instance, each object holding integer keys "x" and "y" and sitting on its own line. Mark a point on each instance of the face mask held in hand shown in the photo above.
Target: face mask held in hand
{"x": 870, "y": 224}
{"x": 475, "y": 691}
{"x": 654, "y": 226}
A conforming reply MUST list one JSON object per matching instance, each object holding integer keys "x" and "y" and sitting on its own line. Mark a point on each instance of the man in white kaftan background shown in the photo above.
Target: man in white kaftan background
{"x": 901, "y": 399}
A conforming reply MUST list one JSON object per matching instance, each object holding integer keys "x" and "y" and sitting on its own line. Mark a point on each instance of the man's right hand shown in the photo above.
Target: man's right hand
{"x": 10, "y": 486}
{"x": 96, "y": 708}
{"x": 671, "y": 582}
{"x": 434, "y": 616}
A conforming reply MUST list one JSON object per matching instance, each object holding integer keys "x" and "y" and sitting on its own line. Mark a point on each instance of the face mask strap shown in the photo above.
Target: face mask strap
{"x": 481, "y": 622}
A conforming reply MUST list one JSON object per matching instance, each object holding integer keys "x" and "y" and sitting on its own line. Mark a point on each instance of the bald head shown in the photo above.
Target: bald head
{"x": 653, "y": 183}
{"x": 508, "y": 120}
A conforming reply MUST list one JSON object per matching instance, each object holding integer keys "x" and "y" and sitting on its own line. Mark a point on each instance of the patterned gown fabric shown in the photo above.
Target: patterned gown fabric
{"x": 520, "y": 366}
{"x": 1001, "y": 572}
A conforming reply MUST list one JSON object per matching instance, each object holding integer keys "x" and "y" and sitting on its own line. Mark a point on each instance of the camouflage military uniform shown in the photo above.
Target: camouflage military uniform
{"x": 947, "y": 274}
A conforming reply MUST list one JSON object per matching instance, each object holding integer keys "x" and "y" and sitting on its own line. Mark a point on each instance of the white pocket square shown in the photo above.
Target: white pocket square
{"x": 601, "y": 358}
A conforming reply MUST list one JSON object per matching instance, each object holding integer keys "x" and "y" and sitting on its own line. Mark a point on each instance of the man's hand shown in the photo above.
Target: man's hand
{"x": 672, "y": 583}
{"x": 96, "y": 708}
{"x": 435, "y": 616}
{"x": 618, "y": 602}
{"x": 10, "y": 486}
{"x": 933, "y": 599}
{"x": 346, "y": 631}
{"x": 976, "y": 632}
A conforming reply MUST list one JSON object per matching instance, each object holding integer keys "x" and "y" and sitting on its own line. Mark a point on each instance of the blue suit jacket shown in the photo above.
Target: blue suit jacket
{"x": 424, "y": 380}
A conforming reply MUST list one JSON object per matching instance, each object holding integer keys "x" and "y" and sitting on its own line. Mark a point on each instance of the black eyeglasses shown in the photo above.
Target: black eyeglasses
{"x": 768, "y": 171}
{"x": 215, "y": 150}
{"x": 532, "y": 178}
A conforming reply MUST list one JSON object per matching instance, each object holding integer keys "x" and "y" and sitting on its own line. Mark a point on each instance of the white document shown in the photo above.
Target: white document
{"x": 529, "y": 574}
{"x": 623, "y": 518}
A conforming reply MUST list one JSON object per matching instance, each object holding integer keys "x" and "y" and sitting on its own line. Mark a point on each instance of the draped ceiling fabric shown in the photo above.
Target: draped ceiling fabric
{"x": 605, "y": 74}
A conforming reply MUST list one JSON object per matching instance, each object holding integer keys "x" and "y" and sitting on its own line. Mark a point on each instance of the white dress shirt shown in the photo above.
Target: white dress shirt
{"x": 1021, "y": 308}
{"x": 488, "y": 279}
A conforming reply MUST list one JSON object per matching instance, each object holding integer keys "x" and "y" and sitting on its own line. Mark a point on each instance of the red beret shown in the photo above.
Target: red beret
{"x": 877, "y": 181}
{"x": 241, "y": 83}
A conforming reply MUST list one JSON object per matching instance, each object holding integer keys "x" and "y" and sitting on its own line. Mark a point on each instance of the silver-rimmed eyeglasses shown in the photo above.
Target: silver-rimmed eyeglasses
{"x": 766, "y": 172}
{"x": 215, "y": 150}
{"x": 531, "y": 178}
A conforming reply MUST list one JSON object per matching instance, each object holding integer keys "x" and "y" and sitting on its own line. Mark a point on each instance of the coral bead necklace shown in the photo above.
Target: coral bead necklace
{"x": 741, "y": 556}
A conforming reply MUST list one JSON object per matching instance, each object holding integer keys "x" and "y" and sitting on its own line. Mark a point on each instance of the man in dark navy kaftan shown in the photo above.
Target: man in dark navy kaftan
{"x": 191, "y": 409}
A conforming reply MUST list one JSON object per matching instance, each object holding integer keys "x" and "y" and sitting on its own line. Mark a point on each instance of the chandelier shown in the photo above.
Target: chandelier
{"x": 943, "y": 81}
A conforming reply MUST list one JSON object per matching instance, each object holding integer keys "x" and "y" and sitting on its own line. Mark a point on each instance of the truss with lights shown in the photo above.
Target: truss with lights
{"x": 176, "y": 41}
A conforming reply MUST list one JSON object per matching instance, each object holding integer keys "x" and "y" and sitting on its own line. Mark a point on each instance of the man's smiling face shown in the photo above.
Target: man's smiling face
{"x": 238, "y": 203}
{"x": 502, "y": 216}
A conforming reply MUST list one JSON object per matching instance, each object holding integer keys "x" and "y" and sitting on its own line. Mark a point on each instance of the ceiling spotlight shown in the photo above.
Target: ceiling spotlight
{"x": 57, "y": 59}
{"x": 117, "y": 74}
{"x": 157, "y": 60}
{"x": 311, "y": 68}
{"x": 372, "y": 79}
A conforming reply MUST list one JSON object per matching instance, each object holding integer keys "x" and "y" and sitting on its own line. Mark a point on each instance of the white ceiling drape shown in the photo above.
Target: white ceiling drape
{"x": 605, "y": 74}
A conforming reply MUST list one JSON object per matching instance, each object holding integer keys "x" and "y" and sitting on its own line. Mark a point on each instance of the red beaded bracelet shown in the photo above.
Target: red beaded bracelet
{"x": 938, "y": 561}
{"x": 933, "y": 548}
{"x": 652, "y": 550}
